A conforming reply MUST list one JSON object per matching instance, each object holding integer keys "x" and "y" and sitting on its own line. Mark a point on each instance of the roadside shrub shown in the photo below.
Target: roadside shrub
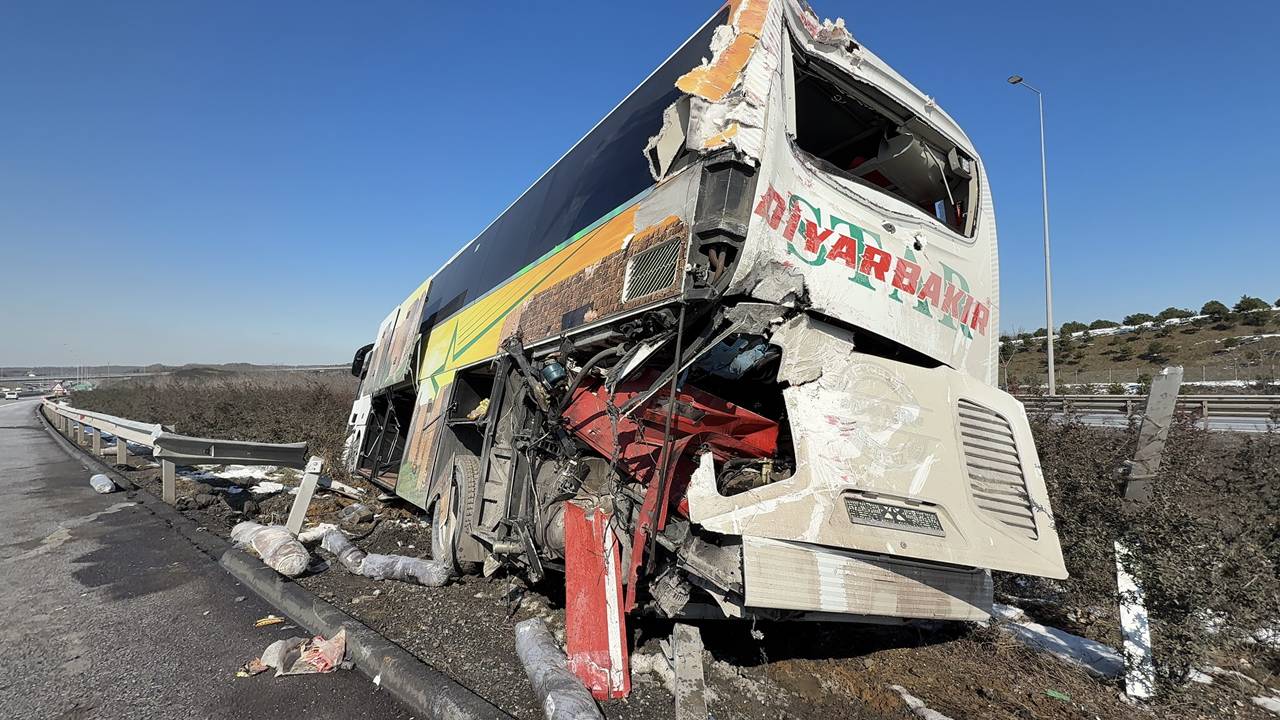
{"x": 1171, "y": 312}
{"x": 1248, "y": 303}
{"x": 262, "y": 407}
{"x": 1215, "y": 309}
{"x": 1207, "y": 547}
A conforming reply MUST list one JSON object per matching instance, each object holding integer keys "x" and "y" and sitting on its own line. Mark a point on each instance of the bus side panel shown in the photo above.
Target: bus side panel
{"x": 414, "y": 483}
{"x": 550, "y": 292}
{"x": 391, "y": 359}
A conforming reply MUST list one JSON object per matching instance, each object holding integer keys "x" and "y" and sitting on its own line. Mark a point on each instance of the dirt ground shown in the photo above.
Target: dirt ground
{"x": 754, "y": 671}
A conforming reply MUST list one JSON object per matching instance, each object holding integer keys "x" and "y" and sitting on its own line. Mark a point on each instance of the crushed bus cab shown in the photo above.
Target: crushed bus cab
{"x": 733, "y": 355}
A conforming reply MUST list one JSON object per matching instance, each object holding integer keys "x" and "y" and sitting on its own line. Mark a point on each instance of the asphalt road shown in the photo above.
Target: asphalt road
{"x": 108, "y": 613}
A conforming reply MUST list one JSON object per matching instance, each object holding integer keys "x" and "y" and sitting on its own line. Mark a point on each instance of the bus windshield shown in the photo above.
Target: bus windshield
{"x": 853, "y": 134}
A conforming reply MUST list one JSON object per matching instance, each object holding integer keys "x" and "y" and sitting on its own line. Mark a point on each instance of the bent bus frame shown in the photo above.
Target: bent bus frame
{"x": 732, "y": 355}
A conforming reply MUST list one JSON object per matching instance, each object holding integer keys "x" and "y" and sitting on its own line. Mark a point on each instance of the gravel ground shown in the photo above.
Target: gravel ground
{"x": 754, "y": 671}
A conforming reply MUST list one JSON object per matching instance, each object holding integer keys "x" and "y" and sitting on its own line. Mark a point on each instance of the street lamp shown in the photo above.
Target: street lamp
{"x": 1048, "y": 275}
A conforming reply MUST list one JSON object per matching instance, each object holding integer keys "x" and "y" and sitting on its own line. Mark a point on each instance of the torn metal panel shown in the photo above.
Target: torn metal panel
{"x": 880, "y": 468}
{"x": 666, "y": 146}
{"x": 356, "y": 425}
{"x": 725, "y": 99}
{"x": 797, "y": 576}
{"x": 775, "y": 282}
{"x": 868, "y": 259}
{"x": 596, "y": 632}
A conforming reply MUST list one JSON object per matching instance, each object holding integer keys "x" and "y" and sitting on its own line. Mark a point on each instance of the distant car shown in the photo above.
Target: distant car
{"x": 11, "y": 395}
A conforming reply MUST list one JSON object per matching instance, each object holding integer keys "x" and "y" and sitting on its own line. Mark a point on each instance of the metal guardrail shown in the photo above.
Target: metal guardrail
{"x": 181, "y": 449}
{"x": 192, "y": 450}
{"x": 1204, "y": 406}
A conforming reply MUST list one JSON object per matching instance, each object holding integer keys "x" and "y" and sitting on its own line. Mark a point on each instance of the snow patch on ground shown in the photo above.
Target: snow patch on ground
{"x": 238, "y": 472}
{"x": 267, "y": 487}
{"x": 1097, "y": 658}
{"x": 1270, "y": 703}
{"x": 917, "y": 705}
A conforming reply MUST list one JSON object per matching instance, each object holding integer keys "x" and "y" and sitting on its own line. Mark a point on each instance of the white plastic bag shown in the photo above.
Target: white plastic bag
{"x": 384, "y": 567}
{"x": 563, "y": 695}
{"x": 102, "y": 483}
{"x": 348, "y": 554}
{"x": 406, "y": 569}
{"x": 277, "y": 547}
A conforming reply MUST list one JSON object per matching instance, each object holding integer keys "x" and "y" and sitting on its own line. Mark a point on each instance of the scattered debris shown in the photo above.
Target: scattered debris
{"x": 341, "y": 488}
{"x": 480, "y": 410}
{"x": 918, "y": 708}
{"x": 279, "y": 549}
{"x": 268, "y": 620}
{"x": 102, "y": 484}
{"x": 1058, "y": 695}
{"x": 655, "y": 664}
{"x": 251, "y": 668}
{"x": 384, "y": 567}
{"x": 267, "y": 487}
{"x": 355, "y": 514}
{"x": 299, "y": 656}
{"x": 315, "y": 534}
{"x": 561, "y": 693}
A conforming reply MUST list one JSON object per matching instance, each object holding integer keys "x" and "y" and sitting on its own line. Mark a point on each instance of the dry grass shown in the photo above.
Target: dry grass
{"x": 309, "y": 407}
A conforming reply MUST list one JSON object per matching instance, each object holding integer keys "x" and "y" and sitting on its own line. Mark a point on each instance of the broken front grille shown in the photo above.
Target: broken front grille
{"x": 652, "y": 270}
{"x": 995, "y": 471}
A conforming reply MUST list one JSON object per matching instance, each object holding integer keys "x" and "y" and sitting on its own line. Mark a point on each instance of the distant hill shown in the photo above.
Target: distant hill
{"x": 1237, "y": 346}
{"x": 191, "y": 369}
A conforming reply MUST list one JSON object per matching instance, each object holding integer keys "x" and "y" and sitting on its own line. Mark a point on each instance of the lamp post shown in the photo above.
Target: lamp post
{"x": 1048, "y": 274}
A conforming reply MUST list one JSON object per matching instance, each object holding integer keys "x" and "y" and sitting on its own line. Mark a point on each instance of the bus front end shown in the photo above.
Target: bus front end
{"x": 903, "y": 476}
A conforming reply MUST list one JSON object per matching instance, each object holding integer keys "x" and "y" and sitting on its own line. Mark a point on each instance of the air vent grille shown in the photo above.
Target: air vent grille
{"x": 995, "y": 471}
{"x": 652, "y": 270}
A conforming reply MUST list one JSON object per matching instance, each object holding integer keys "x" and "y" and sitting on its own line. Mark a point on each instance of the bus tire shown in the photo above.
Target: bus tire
{"x": 454, "y": 515}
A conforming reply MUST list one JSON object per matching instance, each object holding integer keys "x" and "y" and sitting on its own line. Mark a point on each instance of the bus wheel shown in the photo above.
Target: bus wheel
{"x": 454, "y": 513}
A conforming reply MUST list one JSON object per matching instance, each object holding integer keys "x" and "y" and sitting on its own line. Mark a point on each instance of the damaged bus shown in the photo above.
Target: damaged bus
{"x": 733, "y": 355}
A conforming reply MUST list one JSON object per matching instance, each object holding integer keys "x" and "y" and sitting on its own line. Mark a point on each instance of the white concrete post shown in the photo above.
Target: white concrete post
{"x": 168, "y": 482}
{"x": 97, "y": 442}
{"x": 122, "y": 451}
{"x": 302, "y": 501}
{"x": 690, "y": 682}
{"x": 1135, "y": 627}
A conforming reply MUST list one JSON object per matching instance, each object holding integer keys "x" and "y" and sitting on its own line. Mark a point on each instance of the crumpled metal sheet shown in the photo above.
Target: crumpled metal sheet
{"x": 873, "y": 430}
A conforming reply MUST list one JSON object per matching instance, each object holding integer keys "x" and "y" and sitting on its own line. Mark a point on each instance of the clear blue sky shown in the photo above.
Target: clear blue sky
{"x": 247, "y": 181}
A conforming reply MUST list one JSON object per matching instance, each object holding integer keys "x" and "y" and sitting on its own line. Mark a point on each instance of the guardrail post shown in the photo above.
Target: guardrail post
{"x": 168, "y": 482}
{"x": 302, "y": 500}
{"x": 122, "y": 451}
{"x": 97, "y": 442}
